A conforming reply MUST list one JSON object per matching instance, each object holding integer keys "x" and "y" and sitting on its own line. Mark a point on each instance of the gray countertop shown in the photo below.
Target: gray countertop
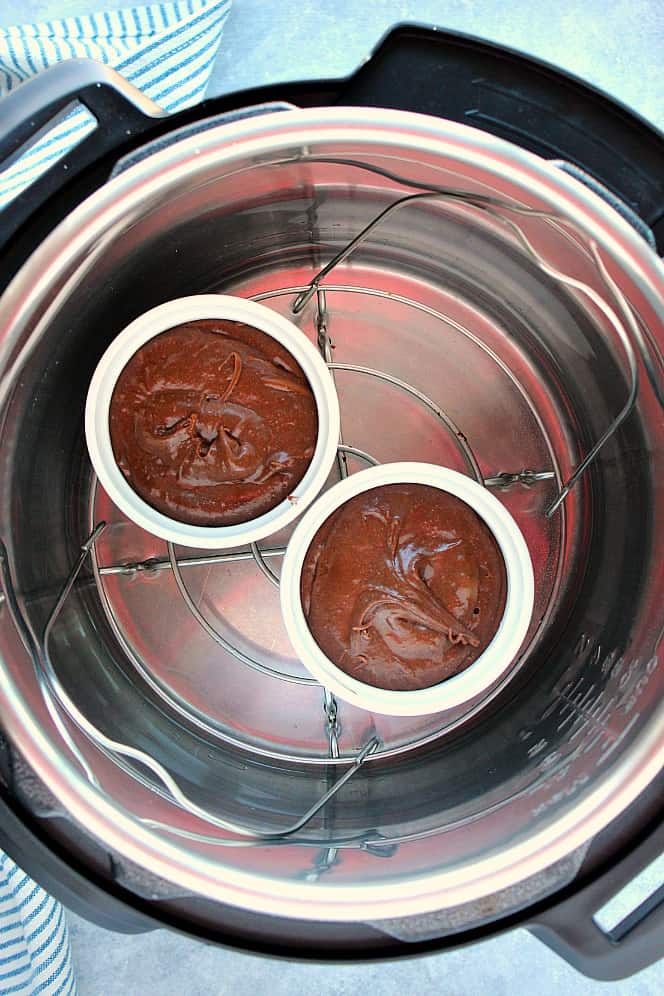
{"x": 617, "y": 46}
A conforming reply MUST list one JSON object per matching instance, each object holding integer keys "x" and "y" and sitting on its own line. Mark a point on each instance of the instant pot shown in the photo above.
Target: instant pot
{"x": 471, "y": 239}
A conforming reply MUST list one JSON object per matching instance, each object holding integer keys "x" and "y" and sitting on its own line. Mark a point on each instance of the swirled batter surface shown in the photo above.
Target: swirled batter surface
{"x": 403, "y": 586}
{"x": 213, "y": 423}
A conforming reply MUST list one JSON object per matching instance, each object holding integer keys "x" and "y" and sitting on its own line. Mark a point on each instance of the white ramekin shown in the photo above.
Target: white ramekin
{"x": 167, "y": 316}
{"x": 495, "y": 660}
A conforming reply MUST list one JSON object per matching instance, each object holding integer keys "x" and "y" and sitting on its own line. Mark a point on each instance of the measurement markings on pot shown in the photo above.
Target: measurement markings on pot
{"x": 582, "y": 703}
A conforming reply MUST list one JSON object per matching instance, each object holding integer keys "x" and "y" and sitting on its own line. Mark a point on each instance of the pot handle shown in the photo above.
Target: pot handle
{"x": 27, "y": 113}
{"x": 571, "y": 928}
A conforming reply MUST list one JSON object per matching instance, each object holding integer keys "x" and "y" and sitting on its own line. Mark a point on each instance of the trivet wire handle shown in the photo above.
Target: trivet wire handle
{"x": 55, "y": 695}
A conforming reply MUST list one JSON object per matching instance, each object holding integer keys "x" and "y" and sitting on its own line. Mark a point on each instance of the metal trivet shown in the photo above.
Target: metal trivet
{"x": 264, "y": 557}
{"x": 57, "y": 699}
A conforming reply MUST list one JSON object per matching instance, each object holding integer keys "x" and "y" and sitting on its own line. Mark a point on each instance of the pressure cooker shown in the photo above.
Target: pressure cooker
{"x": 471, "y": 239}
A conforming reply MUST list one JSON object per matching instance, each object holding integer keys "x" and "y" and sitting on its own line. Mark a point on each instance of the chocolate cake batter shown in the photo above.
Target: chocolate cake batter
{"x": 213, "y": 423}
{"x": 403, "y": 586}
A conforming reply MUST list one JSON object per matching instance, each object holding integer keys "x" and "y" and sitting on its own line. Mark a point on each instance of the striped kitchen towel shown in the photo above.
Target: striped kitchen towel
{"x": 167, "y": 50}
{"x": 34, "y": 943}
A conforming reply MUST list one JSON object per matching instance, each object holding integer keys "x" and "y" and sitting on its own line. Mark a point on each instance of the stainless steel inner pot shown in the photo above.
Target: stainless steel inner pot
{"x": 524, "y": 371}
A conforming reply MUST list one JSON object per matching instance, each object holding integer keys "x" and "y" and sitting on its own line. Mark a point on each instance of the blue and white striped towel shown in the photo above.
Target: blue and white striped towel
{"x": 167, "y": 50}
{"x": 34, "y": 943}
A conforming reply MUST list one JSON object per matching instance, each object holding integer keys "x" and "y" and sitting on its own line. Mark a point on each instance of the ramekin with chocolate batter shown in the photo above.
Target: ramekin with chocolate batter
{"x": 212, "y": 421}
{"x": 407, "y": 589}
